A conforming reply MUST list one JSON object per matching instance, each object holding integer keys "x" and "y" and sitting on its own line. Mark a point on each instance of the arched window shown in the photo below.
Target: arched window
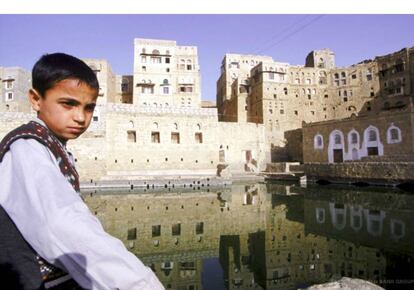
{"x": 353, "y": 145}
{"x": 198, "y": 127}
{"x": 318, "y": 141}
{"x": 175, "y": 126}
{"x": 155, "y": 51}
{"x": 165, "y": 82}
{"x": 337, "y": 139}
{"x": 155, "y": 125}
{"x": 372, "y": 135}
{"x": 354, "y": 138}
{"x": 393, "y": 134}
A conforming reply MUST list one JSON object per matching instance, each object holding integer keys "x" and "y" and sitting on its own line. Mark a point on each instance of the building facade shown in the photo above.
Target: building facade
{"x": 14, "y": 84}
{"x": 166, "y": 74}
{"x": 284, "y": 97}
{"x": 383, "y": 128}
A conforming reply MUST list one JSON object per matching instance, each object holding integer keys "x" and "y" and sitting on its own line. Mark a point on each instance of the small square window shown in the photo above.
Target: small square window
{"x": 175, "y": 138}
{"x": 9, "y": 84}
{"x": 176, "y": 229}
{"x": 156, "y": 231}
{"x": 132, "y": 136}
{"x": 132, "y": 234}
{"x": 155, "y": 137}
{"x": 199, "y": 137}
{"x": 199, "y": 228}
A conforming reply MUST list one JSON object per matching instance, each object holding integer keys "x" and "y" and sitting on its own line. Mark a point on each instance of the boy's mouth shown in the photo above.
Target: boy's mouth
{"x": 76, "y": 129}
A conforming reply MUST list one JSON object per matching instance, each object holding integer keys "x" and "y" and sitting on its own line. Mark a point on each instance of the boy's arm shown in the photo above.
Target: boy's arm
{"x": 58, "y": 225}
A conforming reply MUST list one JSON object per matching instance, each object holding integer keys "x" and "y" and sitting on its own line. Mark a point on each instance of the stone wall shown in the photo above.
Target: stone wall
{"x": 401, "y": 118}
{"x": 120, "y": 144}
{"x": 373, "y": 172}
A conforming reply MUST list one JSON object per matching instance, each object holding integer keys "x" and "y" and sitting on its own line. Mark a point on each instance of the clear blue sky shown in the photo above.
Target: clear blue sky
{"x": 287, "y": 38}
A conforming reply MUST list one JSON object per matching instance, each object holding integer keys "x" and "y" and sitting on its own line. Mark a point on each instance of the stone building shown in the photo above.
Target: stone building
{"x": 166, "y": 74}
{"x": 381, "y": 129}
{"x": 233, "y": 86}
{"x": 14, "y": 84}
{"x": 282, "y": 96}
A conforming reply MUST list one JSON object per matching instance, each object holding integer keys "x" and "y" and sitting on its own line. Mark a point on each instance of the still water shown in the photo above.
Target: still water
{"x": 264, "y": 235}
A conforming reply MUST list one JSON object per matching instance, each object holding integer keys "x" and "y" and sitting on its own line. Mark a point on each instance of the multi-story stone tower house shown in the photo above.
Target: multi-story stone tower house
{"x": 14, "y": 85}
{"x": 165, "y": 74}
{"x": 233, "y": 86}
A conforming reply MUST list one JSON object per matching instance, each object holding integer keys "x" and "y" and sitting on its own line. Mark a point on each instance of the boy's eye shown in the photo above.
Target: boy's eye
{"x": 90, "y": 108}
{"x": 70, "y": 104}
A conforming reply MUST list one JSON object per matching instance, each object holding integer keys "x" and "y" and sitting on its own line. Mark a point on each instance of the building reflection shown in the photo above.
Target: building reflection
{"x": 266, "y": 236}
{"x": 379, "y": 220}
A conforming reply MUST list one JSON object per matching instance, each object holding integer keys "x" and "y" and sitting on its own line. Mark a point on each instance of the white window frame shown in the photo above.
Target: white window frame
{"x": 332, "y": 145}
{"x": 389, "y": 136}
{"x": 7, "y": 96}
{"x": 353, "y": 146}
{"x": 316, "y": 146}
{"x": 366, "y": 143}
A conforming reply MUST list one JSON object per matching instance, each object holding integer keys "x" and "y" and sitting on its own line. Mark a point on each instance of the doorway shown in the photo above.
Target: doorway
{"x": 338, "y": 155}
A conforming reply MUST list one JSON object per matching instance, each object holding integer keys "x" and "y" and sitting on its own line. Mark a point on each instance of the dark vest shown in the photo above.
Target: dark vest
{"x": 20, "y": 266}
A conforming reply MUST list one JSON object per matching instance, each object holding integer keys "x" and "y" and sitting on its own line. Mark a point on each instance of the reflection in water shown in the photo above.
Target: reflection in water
{"x": 264, "y": 236}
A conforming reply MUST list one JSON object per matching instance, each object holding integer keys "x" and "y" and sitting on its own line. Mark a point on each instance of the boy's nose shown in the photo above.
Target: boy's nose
{"x": 79, "y": 116}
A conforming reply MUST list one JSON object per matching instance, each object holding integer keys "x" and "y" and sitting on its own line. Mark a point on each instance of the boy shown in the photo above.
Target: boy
{"x": 48, "y": 237}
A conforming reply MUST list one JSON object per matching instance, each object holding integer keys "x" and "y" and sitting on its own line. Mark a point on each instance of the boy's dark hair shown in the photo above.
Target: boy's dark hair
{"x": 53, "y": 68}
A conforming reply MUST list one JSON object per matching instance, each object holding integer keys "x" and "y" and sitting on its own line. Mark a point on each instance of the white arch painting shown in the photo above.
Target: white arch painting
{"x": 336, "y": 142}
{"x": 371, "y": 142}
{"x": 353, "y": 145}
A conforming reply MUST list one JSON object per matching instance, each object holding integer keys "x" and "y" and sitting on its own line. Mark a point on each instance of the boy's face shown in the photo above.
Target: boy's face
{"x": 66, "y": 108}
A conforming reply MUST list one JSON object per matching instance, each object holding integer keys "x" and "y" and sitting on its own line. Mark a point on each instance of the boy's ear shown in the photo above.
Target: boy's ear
{"x": 34, "y": 99}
